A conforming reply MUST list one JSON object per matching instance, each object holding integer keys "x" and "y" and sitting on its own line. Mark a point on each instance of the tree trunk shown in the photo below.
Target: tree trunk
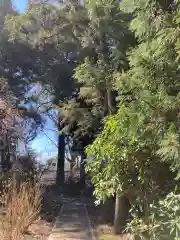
{"x": 108, "y": 210}
{"x": 111, "y": 99}
{"x": 61, "y": 160}
{"x": 5, "y": 161}
{"x": 122, "y": 207}
{"x": 82, "y": 171}
{"x": 110, "y": 93}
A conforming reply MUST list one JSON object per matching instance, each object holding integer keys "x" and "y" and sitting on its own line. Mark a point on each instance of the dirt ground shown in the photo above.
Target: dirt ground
{"x": 102, "y": 222}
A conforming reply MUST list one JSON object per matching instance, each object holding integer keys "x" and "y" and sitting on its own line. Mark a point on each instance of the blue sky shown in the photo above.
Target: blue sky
{"x": 19, "y": 4}
{"x": 45, "y": 147}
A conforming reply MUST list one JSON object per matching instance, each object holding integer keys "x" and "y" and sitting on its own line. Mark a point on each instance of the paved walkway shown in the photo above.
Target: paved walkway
{"x": 73, "y": 222}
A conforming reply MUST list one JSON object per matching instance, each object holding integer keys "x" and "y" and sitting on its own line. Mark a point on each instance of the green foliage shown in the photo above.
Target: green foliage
{"x": 136, "y": 143}
{"x": 162, "y": 223}
{"x": 104, "y": 52}
{"x": 177, "y": 21}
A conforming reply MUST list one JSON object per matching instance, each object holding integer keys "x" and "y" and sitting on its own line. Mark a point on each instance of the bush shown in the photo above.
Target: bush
{"x": 162, "y": 223}
{"x": 21, "y": 207}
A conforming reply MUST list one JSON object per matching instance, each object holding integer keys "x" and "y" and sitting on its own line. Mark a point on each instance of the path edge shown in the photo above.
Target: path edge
{"x": 89, "y": 223}
{"x": 50, "y": 236}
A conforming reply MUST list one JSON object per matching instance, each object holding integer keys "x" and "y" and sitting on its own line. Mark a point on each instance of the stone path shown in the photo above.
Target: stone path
{"x": 73, "y": 222}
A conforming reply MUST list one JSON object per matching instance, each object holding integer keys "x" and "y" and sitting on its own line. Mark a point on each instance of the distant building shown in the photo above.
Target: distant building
{"x": 52, "y": 164}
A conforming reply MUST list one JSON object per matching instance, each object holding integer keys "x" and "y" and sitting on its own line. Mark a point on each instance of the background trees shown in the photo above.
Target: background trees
{"x": 82, "y": 36}
{"x": 15, "y": 82}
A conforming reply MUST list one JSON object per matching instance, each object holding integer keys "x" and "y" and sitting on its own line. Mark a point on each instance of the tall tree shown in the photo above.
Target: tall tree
{"x": 105, "y": 52}
{"x": 144, "y": 133}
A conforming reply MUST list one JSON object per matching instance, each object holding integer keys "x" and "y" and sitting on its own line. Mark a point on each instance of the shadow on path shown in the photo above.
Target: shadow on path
{"x": 73, "y": 221}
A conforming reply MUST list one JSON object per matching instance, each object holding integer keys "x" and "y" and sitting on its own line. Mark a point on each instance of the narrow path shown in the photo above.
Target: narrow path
{"x": 73, "y": 222}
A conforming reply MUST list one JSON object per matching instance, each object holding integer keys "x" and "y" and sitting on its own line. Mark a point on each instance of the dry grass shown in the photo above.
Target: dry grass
{"x": 21, "y": 208}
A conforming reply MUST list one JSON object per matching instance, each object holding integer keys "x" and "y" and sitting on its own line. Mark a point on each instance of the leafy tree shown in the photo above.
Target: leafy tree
{"x": 162, "y": 223}
{"x": 144, "y": 133}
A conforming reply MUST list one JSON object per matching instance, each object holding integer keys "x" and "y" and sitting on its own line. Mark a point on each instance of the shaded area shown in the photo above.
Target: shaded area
{"x": 51, "y": 203}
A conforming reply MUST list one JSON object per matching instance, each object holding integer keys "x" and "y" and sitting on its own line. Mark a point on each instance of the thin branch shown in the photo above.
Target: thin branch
{"x": 50, "y": 139}
{"x": 55, "y": 120}
{"x": 49, "y": 129}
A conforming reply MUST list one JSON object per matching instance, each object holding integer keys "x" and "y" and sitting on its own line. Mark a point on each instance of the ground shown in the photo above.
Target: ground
{"x": 70, "y": 217}
{"x": 73, "y": 221}
{"x": 101, "y": 218}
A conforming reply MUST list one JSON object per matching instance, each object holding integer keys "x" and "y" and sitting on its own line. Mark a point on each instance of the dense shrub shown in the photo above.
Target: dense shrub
{"x": 163, "y": 221}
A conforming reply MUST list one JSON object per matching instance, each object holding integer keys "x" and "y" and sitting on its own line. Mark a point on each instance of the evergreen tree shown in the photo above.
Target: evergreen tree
{"x": 143, "y": 134}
